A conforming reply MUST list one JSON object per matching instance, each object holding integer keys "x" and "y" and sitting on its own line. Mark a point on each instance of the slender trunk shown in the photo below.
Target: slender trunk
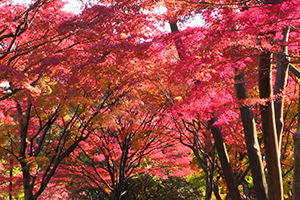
{"x": 120, "y": 182}
{"x": 208, "y": 169}
{"x": 253, "y": 149}
{"x": 296, "y": 178}
{"x": 280, "y": 84}
{"x": 224, "y": 159}
{"x": 209, "y": 184}
{"x": 274, "y": 177}
{"x": 10, "y": 182}
{"x": 178, "y": 42}
{"x": 296, "y": 138}
{"x": 216, "y": 192}
{"x": 24, "y": 122}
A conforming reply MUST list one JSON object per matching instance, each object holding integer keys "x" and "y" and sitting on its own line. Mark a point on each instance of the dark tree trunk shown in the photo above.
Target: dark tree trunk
{"x": 26, "y": 182}
{"x": 208, "y": 168}
{"x": 296, "y": 177}
{"x": 24, "y": 122}
{"x": 216, "y": 192}
{"x": 178, "y": 42}
{"x": 209, "y": 179}
{"x": 253, "y": 149}
{"x": 274, "y": 177}
{"x": 11, "y": 173}
{"x": 224, "y": 159}
{"x": 117, "y": 193}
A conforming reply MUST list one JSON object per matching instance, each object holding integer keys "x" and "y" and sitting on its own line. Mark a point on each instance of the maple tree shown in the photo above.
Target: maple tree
{"x": 128, "y": 142}
{"x": 53, "y": 96}
{"x": 244, "y": 39}
{"x": 106, "y": 89}
{"x": 234, "y": 39}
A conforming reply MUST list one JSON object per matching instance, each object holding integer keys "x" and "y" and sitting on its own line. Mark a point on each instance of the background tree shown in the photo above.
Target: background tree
{"x": 52, "y": 94}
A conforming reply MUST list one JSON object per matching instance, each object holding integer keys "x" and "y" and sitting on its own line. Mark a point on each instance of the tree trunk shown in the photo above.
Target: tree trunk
{"x": 280, "y": 84}
{"x": 24, "y": 122}
{"x": 178, "y": 43}
{"x": 274, "y": 177}
{"x": 223, "y": 156}
{"x": 26, "y": 182}
{"x": 116, "y": 194}
{"x": 208, "y": 168}
{"x": 216, "y": 192}
{"x": 296, "y": 177}
{"x": 253, "y": 149}
{"x": 209, "y": 183}
{"x": 296, "y": 180}
{"x": 11, "y": 173}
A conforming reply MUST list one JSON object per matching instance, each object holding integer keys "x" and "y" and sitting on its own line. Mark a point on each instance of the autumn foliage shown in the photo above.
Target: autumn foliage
{"x": 92, "y": 101}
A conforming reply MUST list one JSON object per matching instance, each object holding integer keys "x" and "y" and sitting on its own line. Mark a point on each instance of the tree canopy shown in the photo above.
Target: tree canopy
{"x": 94, "y": 103}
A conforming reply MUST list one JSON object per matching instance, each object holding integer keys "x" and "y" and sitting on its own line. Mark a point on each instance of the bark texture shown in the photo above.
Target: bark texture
{"x": 296, "y": 179}
{"x": 253, "y": 149}
{"x": 296, "y": 176}
{"x": 280, "y": 84}
{"x": 224, "y": 159}
{"x": 274, "y": 176}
